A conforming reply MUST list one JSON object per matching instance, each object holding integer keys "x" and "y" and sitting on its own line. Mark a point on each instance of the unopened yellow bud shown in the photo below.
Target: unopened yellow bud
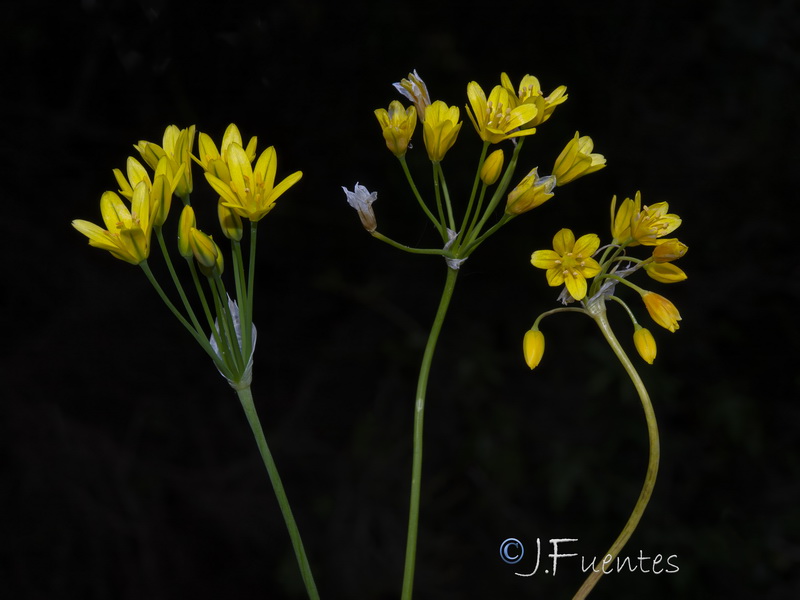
{"x": 206, "y": 252}
{"x": 492, "y": 167}
{"x": 645, "y": 344}
{"x": 185, "y": 224}
{"x": 533, "y": 347}
{"x": 230, "y": 222}
{"x": 664, "y": 272}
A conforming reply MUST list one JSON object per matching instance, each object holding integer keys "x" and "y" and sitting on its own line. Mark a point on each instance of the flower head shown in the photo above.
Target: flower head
{"x": 250, "y": 192}
{"x": 440, "y": 129}
{"x": 569, "y": 262}
{"x": 533, "y": 347}
{"x": 530, "y": 92}
{"x": 661, "y": 310}
{"x": 577, "y": 160}
{"x": 415, "y": 90}
{"x": 397, "y": 125}
{"x": 531, "y": 192}
{"x": 361, "y": 199}
{"x": 127, "y": 233}
{"x": 645, "y": 344}
{"x": 499, "y": 117}
{"x": 213, "y": 160}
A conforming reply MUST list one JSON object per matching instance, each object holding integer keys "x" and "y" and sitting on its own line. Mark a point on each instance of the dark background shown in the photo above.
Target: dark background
{"x": 129, "y": 471}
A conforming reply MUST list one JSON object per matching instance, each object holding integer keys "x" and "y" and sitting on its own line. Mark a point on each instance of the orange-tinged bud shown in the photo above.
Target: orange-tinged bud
{"x": 662, "y": 311}
{"x": 669, "y": 250}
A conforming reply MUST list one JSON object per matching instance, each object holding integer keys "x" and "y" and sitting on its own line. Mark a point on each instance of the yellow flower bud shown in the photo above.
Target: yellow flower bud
{"x": 665, "y": 272}
{"x": 662, "y": 311}
{"x": 645, "y": 344}
{"x": 492, "y": 167}
{"x": 397, "y": 125}
{"x": 206, "y": 252}
{"x": 533, "y": 347}
{"x": 185, "y": 224}
{"x": 230, "y": 222}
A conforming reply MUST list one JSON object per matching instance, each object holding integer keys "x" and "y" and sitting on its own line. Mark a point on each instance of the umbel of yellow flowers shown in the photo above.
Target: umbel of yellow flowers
{"x": 573, "y": 263}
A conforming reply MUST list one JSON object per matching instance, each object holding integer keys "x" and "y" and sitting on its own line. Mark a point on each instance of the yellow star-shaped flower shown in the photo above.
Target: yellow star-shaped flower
{"x": 570, "y": 262}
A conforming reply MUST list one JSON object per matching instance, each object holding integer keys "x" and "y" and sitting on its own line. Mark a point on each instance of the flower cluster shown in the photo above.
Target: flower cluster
{"x": 506, "y": 113}
{"x": 245, "y": 192}
{"x": 575, "y": 262}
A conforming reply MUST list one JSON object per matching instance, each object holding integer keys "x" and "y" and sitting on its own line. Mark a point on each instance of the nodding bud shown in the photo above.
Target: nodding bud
{"x": 533, "y": 347}
{"x": 645, "y": 344}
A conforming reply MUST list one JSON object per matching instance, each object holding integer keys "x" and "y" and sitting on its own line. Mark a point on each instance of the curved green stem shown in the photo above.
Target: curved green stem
{"x": 246, "y": 398}
{"x": 419, "y": 414}
{"x": 598, "y": 312}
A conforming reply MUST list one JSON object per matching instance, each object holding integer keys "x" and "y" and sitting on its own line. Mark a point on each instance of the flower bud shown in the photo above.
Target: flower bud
{"x": 645, "y": 344}
{"x": 533, "y": 347}
{"x": 185, "y": 224}
{"x": 361, "y": 199}
{"x": 206, "y": 252}
{"x": 230, "y": 222}
{"x": 492, "y": 167}
{"x": 664, "y": 272}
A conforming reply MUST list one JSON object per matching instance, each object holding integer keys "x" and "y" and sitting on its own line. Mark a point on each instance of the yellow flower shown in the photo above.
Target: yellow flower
{"x": 645, "y": 344}
{"x": 440, "y": 129}
{"x": 415, "y": 90}
{"x": 251, "y": 192}
{"x": 127, "y": 233}
{"x": 653, "y": 222}
{"x": 160, "y": 189}
{"x": 497, "y": 118}
{"x": 531, "y": 192}
{"x": 397, "y": 125}
{"x": 530, "y": 92}
{"x": 213, "y": 160}
{"x": 569, "y": 262}
{"x": 492, "y": 167}
{"x": 669, "y": 250}
{"x": 662, "y": 311}
{"x": 177, "y": 147}
{"x": 533, "y": 347}
{"x": 577, "y": 160}
{"x": 664, "y": 272}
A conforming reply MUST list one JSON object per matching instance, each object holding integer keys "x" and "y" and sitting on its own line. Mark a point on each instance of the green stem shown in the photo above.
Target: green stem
{"x": 598, "y": 312}
{"x": 419, "y": 414}
{"x": 246, "y": 398}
